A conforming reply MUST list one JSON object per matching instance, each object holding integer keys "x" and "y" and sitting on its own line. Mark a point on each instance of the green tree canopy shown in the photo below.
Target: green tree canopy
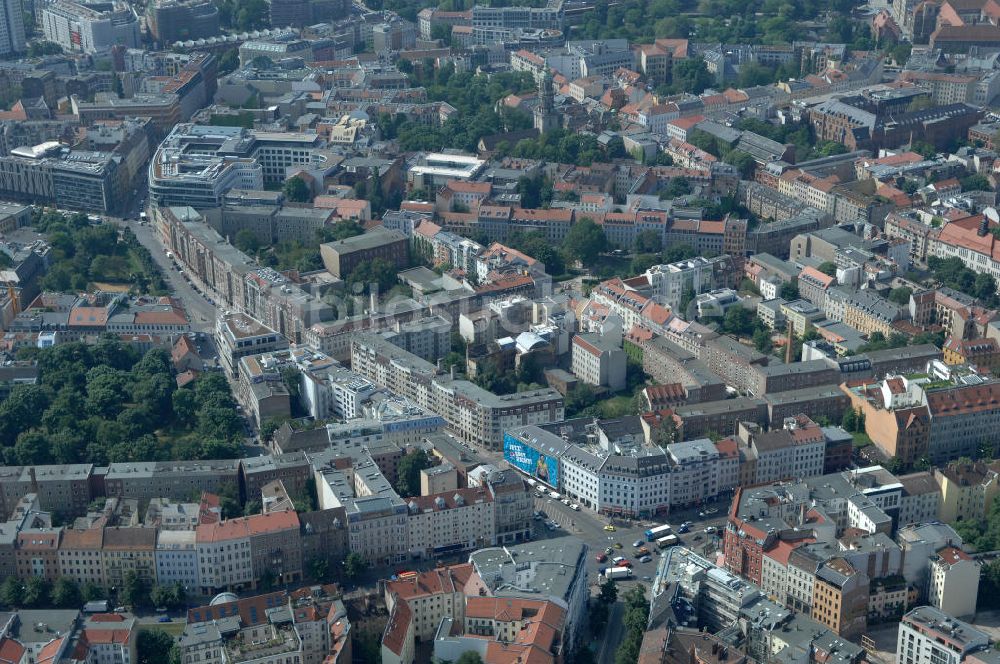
{"x": 585, "y": 241}
{"x": 296, "y": 190}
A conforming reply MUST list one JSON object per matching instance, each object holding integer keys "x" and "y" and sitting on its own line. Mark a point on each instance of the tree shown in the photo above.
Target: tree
{"x": 378, "y": 273}
{"x": 582, "y": 396}
{"x": 134, "y": 591}
{"x": 66, "y": 593}
{"x": 318, "y": 568}
{"x": 901, "y": 295}
{"x": 296, "y": 190}
{"x": 12, "y": 592}
{"x": 743, "y": 162}
{"x": 648, "y": 241}
{"x": 154, "y": 646}
{"x": 678, "y": 186}
{"x": 789, "y": 290}
{"x": 36, "y": 592}
{"x": 738, "y": 321}
{"x": 247, "y": 242}
{"x": 976, "y": 182}
{"x": 828, "y": 268}
{"x": 354, "y": 565}
{"x": 469, "y": 657}
{"x": 409, "y": 472}
{"x": 585, "y": 241}
{"x": 609, "y": 592}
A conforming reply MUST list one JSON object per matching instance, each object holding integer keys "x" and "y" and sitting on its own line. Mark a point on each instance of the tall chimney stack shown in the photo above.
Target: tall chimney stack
{"x": 790, "y": 344}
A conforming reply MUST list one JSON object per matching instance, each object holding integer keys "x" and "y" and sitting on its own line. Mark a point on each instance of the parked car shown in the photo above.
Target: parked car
{"x": 602, "y": 557}
{"x": 575, "y": 507}
{"x": 638, "y": 543}
{"x": 645, "y": 559}
{"x": 710, "y": 530}
{"x": 610, "y": 528}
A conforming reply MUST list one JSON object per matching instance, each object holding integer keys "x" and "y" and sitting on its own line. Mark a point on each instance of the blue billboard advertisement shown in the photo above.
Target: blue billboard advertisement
{"x": 530, "y": 461}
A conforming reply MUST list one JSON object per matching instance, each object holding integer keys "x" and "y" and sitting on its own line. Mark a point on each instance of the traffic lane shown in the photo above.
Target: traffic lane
{"x": 200, "y": 311}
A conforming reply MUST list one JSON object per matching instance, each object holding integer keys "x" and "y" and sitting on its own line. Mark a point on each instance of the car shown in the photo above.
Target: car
{"x": 575, "y": 507}
{"x": 566, "y": 502}
{"x": 642, "y": 551}
{"x": 646, "y": 559}
{"x": 683, "y": 529}
{"x": 617, "y": 559}
{"x": 609, "y": 551}
{"x": 625, "y": 563}
{"x": 712, "y": 510}
{"x": 710, "y": 530}
{"x": 163, "y": 619}
{"x": 638, "y": 543}
{"x": 617, "y": 545}
{"x": 610, "y": 528}
{"x": 646, "y": 578}
{"x": 602, "y": 557}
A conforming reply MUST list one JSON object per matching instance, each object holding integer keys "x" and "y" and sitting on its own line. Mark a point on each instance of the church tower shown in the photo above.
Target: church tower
{"x": 546, "y": 117}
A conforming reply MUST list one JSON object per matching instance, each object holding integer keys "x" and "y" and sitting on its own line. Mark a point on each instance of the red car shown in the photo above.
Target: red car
{"x": 602, "y": 557}
{"x": 624, "y": 563}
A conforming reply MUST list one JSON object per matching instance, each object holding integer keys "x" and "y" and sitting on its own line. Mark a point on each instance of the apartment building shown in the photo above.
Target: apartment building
{"x": 227, "y": 158}
{"x": 840, "y": 598}
{"x": 179, "y": 480}
{"x": 953, "y": 583}
{"x": 456, "y": 520}
{"x": 176, "y": 558}
{"x": 37, "y": 553}
{"x": 342, "y": 257}
{"x": 474, "y": 414}
{"x": 80, "y": 556}
{"x": 928, "y": 635}
{"x": 78, "y": 27}
{"x": 239, "y": 335}
{"x": 126, "y": 551}
{"x": 598, "y": 361}
{"x": 967, "y": 490}
{"x": 225, "y": 561}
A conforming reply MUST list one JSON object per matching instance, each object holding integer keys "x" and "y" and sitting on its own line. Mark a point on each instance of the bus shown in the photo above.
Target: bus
{"x": 656, "y": 533}
{"x": 664, "y": 542}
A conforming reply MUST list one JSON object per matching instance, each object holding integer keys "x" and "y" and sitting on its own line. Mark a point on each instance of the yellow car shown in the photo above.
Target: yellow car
{"x": 610, "y": 528}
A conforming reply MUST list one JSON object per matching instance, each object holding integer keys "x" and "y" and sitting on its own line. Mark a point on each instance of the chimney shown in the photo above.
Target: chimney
{"x": 802, "y": 514}
{"x": 790, "y": 344}
{"x": 373, "y": 303}
{"x": 984, "y": 227}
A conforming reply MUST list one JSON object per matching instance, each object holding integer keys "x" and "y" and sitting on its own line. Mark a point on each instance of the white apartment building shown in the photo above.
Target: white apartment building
{"x": 196, "y": 165}
{"x": 670, "y": 281}
{"x": 224, "y": 560}
{"x": 579, "y": 476}
{"x": 953, "y": 585}
{"x": 80, "y": 28}
{"x": 451, "y": 521}
{"x": 598, "y": 361}
{"x": 176, "y": 558}
{"x": 636, "y": 484}
{"x": 695, "y": 471}
{"x": 929, "y": 636}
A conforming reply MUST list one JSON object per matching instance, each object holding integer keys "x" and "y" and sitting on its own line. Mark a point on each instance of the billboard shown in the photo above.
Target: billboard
{"x": 530, "y": 461}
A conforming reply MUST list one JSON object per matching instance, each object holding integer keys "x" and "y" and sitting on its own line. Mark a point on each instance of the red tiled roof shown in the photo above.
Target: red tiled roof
{"x": 10, "y": 651}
